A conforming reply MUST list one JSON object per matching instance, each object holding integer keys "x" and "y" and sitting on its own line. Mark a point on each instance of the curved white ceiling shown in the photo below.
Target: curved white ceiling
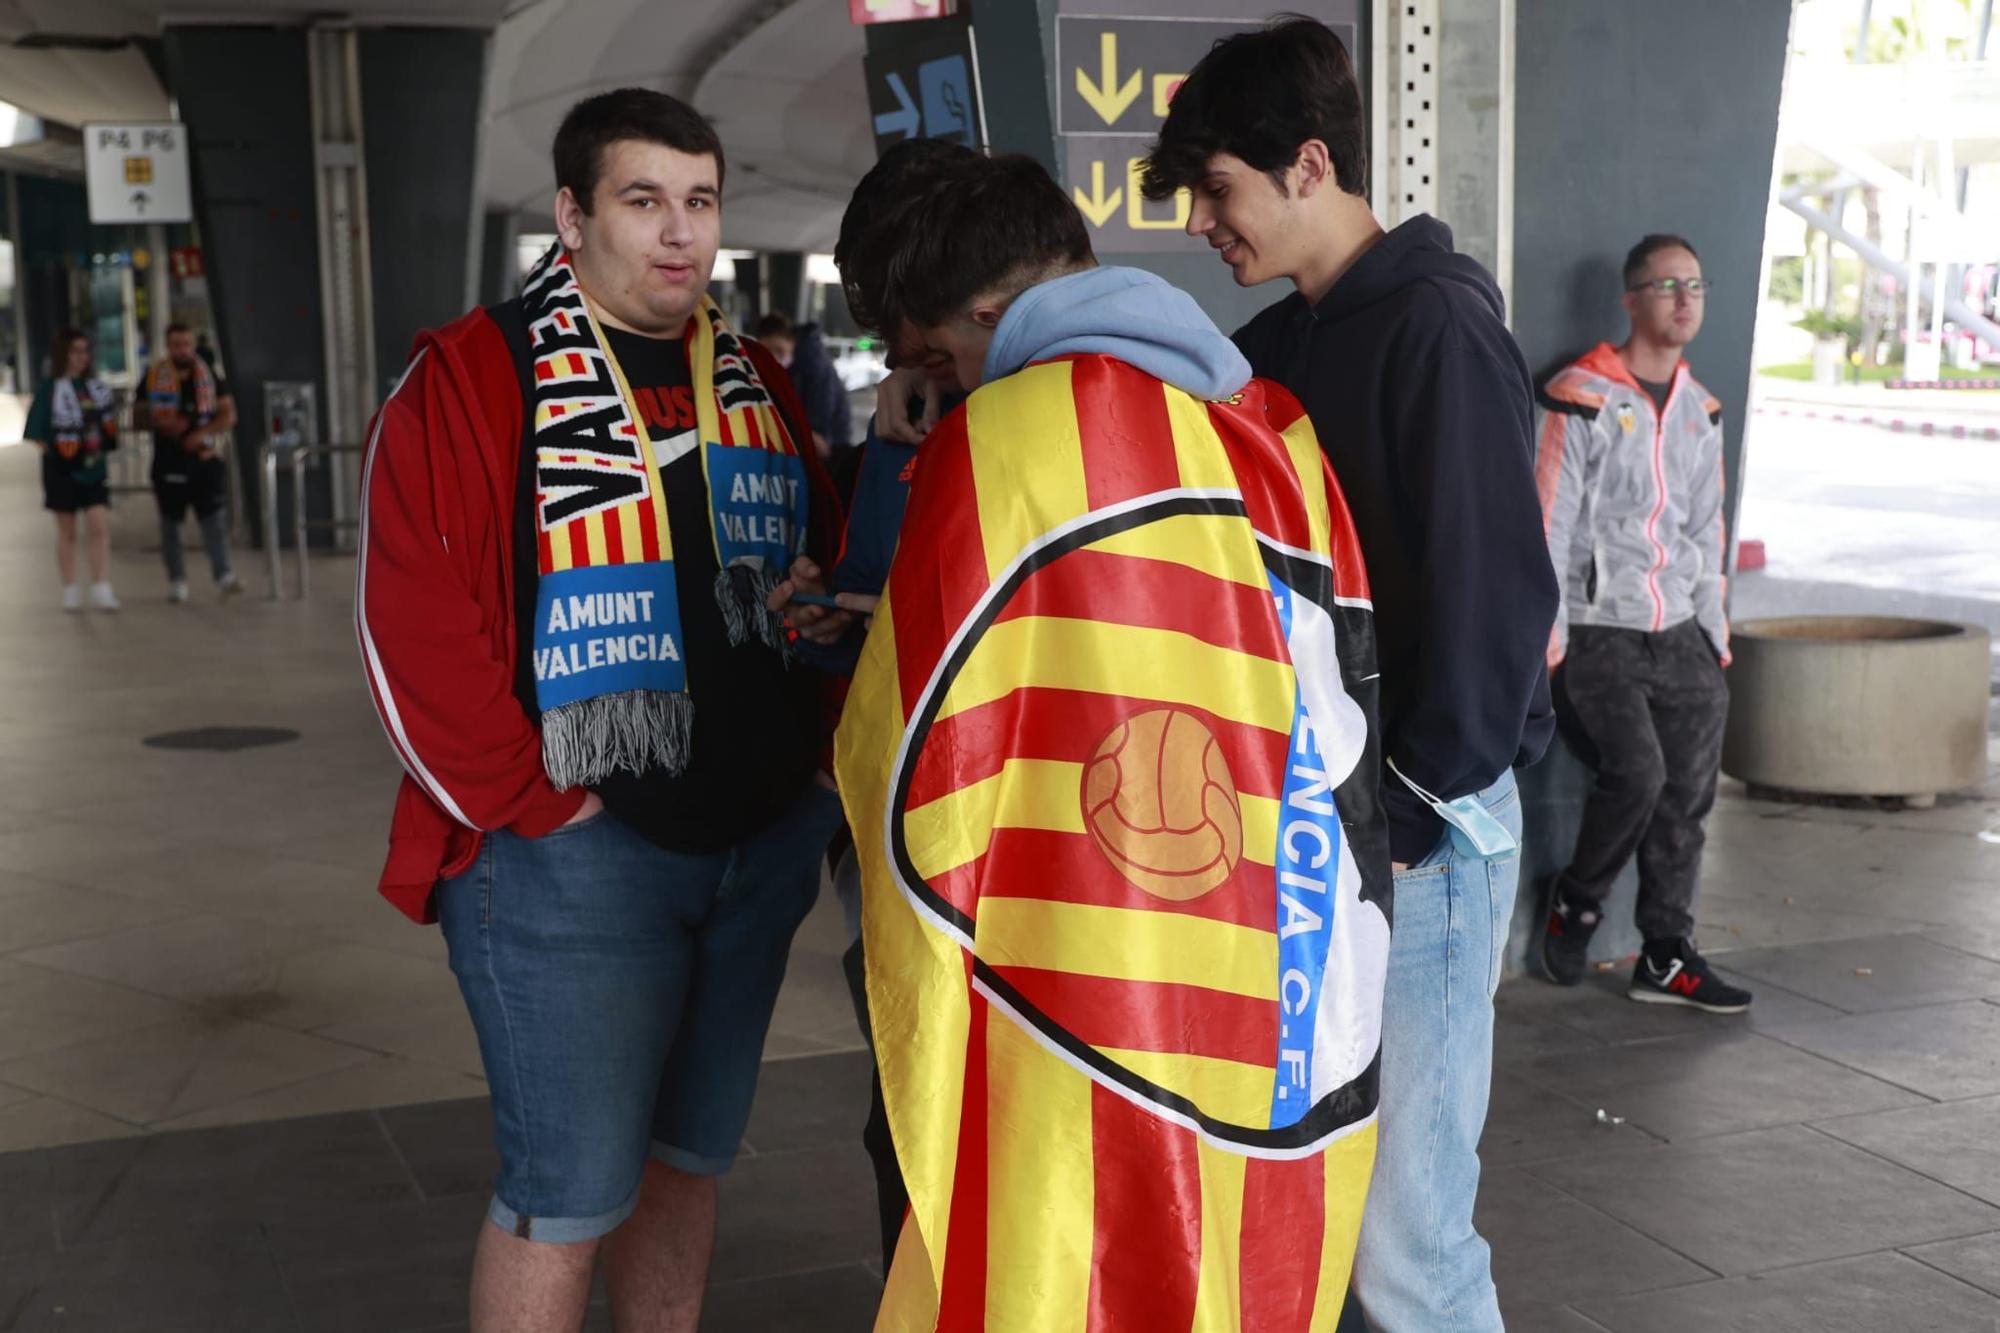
{"x": 133, "y": 18}
{"x": 782, "y": 80}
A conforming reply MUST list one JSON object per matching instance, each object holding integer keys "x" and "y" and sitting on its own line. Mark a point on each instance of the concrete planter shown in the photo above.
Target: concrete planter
{"x": 1858, "y": 705}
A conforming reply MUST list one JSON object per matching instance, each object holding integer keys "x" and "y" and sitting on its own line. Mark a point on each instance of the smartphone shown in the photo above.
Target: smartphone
{"x": 816, "y": 599}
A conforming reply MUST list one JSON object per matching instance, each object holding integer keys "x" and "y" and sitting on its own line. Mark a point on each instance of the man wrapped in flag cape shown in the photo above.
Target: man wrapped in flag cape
{"x": 1111, "y": 764}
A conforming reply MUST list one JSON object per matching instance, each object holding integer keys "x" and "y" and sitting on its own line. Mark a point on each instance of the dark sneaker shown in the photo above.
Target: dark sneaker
{"x": 1566, "y": 940}
{"x": 1685, "y": 979}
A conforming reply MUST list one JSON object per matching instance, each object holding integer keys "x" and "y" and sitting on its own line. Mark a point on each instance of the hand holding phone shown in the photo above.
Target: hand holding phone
{"x": 808, "y": 610}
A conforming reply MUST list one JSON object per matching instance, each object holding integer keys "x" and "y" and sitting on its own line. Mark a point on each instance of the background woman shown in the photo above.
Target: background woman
{"x": 72, "y": 422}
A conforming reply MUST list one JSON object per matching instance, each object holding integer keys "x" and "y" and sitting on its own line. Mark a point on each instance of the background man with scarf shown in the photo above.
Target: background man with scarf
{"x": 189, "y": 408}
{"x": 574, "y": 506}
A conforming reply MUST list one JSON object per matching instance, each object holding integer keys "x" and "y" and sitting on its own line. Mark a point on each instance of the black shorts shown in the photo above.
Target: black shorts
{"x": 64, "y": 494}
{"x": 201, "y": 485}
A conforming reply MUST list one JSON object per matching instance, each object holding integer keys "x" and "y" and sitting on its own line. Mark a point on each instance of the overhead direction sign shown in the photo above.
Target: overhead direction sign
{"x": 137, "y": 173}
{"x": 1116, "y": 76}
{"x": 923, "y": 83}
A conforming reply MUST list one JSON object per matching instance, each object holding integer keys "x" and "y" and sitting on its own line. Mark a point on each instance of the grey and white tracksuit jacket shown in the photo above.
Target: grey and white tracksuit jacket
{"x": 1633, "y": 501}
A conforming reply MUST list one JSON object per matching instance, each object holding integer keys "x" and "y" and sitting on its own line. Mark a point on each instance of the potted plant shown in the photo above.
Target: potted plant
{"x": 1831, "y": 335}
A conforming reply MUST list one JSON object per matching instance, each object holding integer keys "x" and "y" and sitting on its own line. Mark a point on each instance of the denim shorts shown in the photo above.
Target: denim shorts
{"x": 621, "y": 994}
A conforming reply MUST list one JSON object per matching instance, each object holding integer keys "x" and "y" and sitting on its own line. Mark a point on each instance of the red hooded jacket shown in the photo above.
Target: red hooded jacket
{"x": 434, "y": 602}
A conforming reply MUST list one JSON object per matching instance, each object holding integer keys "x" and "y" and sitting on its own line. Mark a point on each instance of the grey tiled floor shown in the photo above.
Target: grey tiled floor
{"x": 238, "y": 1093}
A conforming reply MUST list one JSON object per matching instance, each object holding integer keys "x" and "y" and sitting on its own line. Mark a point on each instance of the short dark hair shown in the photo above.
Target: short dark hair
{"x": 1649, "y": 245}
{"x": 1259, "y": 95}
{"x": 177, "y": 327}
{"x": 59, "y": 352}
{"x": 976, "y": 226}
{"x": 596, "y": 123}
{"x": 772, "y": 325}
{"x": 877, "y": 196}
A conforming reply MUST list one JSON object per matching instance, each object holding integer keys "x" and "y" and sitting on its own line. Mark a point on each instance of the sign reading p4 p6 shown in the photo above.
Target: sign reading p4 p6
{"x": 137, "y": 173}
{"x": 1116, "y": 74}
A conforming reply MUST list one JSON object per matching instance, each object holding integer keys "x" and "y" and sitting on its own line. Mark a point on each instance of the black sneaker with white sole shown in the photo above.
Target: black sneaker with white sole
{"x": 1566, "y": 937}
{"x": 1685, "y": 979}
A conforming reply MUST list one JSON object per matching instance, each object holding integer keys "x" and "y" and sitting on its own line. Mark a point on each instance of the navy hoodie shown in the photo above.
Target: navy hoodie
{"x": 1424, "y": 406}
{"x": 819, "y": 386}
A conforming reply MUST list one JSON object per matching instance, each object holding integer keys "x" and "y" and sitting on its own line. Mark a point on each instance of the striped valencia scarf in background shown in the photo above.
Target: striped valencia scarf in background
{"x": 163, "y": 389}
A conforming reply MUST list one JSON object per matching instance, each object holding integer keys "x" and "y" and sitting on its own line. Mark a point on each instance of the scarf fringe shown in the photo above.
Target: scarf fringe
{"x": 639, "y": 730}
{"x": 745, "y": 621}
{"x": 585, "y": 742}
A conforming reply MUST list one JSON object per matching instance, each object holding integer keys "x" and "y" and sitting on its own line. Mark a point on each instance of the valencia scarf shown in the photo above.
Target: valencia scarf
{"x": 610, "y": 672}
{"x": 163, "y": 388}
{"x": 79, "y": 412}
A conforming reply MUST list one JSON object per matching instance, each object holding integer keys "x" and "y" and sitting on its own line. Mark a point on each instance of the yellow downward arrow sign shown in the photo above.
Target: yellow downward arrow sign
{"x": 1095, "y": 205}
{"x": 1106, "y": 98}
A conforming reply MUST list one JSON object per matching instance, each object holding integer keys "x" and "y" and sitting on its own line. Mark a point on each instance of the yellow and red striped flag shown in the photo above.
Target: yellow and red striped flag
{"x": 1111, "y": 763}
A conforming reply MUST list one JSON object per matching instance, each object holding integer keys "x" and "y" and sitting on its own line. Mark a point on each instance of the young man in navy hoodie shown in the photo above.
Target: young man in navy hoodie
{"x": 831, "y": 639}
{"x": 1400, "y": 352}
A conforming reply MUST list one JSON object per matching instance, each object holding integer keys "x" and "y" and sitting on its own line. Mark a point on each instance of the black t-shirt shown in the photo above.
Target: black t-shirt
{"x": 1657, "y": 390}
{"x": 757, "y": 722}
{"x": 171, "y": 462}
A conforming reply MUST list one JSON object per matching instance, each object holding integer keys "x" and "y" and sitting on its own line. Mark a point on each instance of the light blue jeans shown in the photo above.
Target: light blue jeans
{"x": 1421, "y": 1268}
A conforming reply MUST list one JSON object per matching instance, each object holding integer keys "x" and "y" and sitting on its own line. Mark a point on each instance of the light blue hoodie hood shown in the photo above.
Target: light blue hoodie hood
{"x": 1131, "y": 314}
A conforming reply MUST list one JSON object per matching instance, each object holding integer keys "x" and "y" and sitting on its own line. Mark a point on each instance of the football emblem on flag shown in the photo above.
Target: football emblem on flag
{"x": 1159, "y": 803}
{"x": 1121, "y": 808}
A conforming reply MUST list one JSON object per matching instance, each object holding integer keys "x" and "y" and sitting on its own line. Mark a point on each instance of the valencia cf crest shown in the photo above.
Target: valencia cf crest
{"x": 1122, "y": 791}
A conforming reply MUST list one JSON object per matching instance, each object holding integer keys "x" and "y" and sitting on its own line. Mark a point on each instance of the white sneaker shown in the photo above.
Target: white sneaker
{"x": 230, "y": 586}
{"x": 178, "y": 591}
{"x": 72, "y": 597}
{"x": 102, "y": 598}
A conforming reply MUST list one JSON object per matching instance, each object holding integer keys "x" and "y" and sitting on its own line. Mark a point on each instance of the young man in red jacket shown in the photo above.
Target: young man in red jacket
{"x": 575, "y": 505}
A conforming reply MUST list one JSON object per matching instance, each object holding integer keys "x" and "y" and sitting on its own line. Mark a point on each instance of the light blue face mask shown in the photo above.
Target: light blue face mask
{"x": 1474, "y": 830}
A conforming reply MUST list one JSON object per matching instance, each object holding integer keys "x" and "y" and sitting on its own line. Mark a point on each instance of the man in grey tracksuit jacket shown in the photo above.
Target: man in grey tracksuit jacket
{"x": 1629, "y": 464}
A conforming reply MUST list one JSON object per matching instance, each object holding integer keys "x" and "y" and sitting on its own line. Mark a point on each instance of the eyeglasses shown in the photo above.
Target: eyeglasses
{"x": 1696, "y": 288}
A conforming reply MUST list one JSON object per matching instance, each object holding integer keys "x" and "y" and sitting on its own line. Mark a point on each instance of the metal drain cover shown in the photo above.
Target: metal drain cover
{"x": 221, "y": 738}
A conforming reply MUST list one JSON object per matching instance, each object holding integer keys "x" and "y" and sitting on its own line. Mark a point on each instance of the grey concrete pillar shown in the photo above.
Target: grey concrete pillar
{"x": 1606, "y": 150}
{"x": 243, "y": 93}
{"x": 785, "y": 289}
{"x": 750, "y": 287}
{"x": 1016, "y": 54}
{"x": 26, "y": 374}
{"x": 499, "y": 269}
{"x": 246, "y": 96}
{"x": 422, "y": 102}
{"x": 158, "y": 292}
{"x": 1475, "y": 131}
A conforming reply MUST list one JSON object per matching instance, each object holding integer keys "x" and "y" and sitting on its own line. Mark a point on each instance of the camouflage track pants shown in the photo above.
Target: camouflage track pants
{"x": 1653, "y": 705}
